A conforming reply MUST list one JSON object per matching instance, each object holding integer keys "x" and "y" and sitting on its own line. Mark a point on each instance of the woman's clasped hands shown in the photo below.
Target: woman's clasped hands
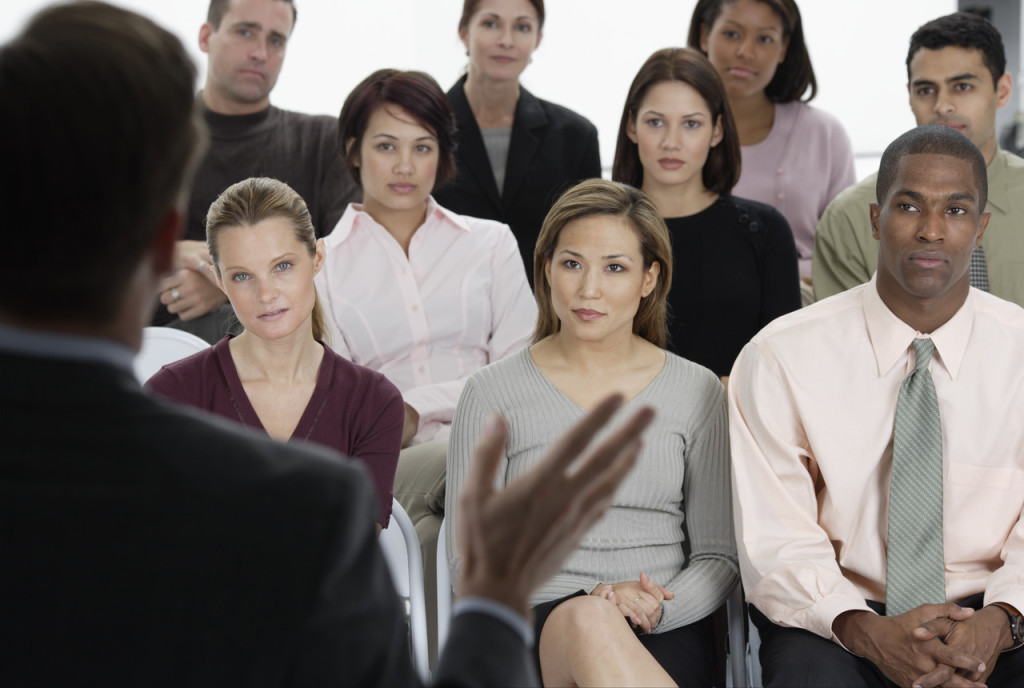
{"x": 639, "y": 600}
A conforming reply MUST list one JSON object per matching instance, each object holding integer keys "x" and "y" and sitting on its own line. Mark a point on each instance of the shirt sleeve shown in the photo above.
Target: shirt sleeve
{"x": 590, "y": 167}
{"x": 1007, "y": 583}
{"x": 379, "y": 440}
{"x": 169, "y": 383}
{"x": 839, "y": 262}
{"x": 472, "y": 410}
{"x": 780, "y": 272}
{"x": 513, "y": 317}
{"x": 842, "y": 173}
{"x": 787, "y": 561}
{"x": 711, "y": 571}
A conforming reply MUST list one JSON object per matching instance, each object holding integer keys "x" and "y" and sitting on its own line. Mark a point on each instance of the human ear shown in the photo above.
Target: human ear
{"x": 650, "y": 279}
{"x": 876, "y": 213}
{"x": 1004, "y": 89}
{"x": 205, "y": 31}
{"x": 982, "y": 226}
{"x": 704, "y": 31}
{"x": 348, "y": 150}
{"x": 319, "y": 254}
{"x": 631, "y": 126}
{"x": 717, "y": 133}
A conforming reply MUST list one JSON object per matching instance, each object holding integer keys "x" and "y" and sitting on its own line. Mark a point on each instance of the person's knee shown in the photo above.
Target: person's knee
{"x": 798, "y": 659}
{"x": 586, "y": 616}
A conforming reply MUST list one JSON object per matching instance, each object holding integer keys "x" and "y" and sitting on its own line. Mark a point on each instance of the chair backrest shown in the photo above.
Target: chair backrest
{"x": 163, "y": 345}
{"x": 444, "y": 589}
{"x": 401, "y": 549}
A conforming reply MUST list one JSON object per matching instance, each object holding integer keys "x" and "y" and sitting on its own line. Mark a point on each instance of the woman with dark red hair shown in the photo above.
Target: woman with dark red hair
{"x": 410, "y": 289}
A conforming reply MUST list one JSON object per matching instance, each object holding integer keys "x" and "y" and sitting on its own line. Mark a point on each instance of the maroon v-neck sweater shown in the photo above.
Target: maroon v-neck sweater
{"x": 353, "y": 410}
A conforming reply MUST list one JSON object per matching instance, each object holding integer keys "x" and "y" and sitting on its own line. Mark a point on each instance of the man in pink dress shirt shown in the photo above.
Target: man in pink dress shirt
{"x": 812, "y": 401}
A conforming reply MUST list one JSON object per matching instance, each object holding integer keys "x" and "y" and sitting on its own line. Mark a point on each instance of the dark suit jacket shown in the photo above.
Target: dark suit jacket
{"x": 143, "y": 543}
{"x": 551, "y": 148}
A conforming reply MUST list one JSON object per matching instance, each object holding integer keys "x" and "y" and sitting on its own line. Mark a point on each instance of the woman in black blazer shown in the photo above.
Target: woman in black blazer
{"x": 546, "y": 147}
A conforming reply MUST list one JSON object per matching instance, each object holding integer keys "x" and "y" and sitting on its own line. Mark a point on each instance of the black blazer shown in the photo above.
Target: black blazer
{"x": 143, "y": 543}
{"x": 551, "y": 148}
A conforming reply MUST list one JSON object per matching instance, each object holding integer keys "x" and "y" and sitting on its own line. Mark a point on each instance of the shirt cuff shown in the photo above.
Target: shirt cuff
{"x": 488, "y": 607}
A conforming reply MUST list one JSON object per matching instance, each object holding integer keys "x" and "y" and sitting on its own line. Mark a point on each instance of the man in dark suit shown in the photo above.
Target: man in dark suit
{"x": 143, "y": 543}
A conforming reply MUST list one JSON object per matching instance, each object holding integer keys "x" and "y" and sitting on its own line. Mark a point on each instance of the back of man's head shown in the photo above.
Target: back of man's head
{"x": 931, "y": 139}
{"x": 99, "y": 135}
{"x": 961, "y": 30}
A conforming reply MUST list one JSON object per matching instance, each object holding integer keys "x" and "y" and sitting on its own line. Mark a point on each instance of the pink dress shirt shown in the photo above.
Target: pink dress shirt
{"x": 427, "y": 321}
{"x": 805, "y": 161}
{"x": 812, "y": 400}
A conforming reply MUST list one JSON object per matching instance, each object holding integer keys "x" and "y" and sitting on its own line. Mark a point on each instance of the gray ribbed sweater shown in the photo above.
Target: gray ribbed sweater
{"x": 682, "y": 474}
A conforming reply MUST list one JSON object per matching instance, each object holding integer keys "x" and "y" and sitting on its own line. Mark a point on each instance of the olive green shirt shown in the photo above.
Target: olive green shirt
{"x": 846, "y": 253}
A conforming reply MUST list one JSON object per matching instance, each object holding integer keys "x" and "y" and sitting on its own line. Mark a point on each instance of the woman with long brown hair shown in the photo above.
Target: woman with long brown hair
{"x": 736, "y": 264}
{"x": 631, "y": 605}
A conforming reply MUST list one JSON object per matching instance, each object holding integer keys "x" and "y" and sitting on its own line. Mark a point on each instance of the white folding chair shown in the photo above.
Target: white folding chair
{"x": 444, "y": 590}
{"x": 163, "y": 345}
{"x": 401, "y": 550}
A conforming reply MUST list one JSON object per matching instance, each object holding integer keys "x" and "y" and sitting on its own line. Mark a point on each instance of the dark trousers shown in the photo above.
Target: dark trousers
{"x": 795, "y": 658}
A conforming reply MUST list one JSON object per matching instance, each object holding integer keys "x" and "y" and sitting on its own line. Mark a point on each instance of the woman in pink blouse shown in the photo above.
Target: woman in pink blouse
{"x": 421, "y": 294}
{"x": 278, "y": 375}
{"x": 795, "y": 157}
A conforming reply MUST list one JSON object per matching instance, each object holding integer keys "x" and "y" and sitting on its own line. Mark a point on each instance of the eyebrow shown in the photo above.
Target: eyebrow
{"x": 426, "y": 137}
{"x": 661, "y": 114}
{"x": 967, "y": 76}
{"x": 760, "y": 28}
{"x": 611, "y": 256}
{"x": 258, "y": 27}
{"x": 521, "y": 17}
{"x": 278, "y": 259}
{"x": 918, "y": 196}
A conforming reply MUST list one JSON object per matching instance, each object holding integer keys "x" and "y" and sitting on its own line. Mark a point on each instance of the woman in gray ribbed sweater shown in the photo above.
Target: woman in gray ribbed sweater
{"x": 644, "y": 580}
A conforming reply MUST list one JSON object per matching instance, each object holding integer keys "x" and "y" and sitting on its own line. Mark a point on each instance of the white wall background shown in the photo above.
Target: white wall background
{"x": 589, "y": 54}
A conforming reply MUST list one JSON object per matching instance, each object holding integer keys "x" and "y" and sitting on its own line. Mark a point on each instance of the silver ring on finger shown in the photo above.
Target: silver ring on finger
{"x": 175, "y": 294}
{"x": 202, "y": 265}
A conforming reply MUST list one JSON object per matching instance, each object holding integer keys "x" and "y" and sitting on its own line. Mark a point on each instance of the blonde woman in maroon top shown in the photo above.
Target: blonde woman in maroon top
{"x": 278, "y": 375}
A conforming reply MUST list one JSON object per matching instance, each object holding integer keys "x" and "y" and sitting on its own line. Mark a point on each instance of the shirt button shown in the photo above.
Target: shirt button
{"x": 415, "y": 308}
{"x": 778, "y": 170}
{"x": 781, "y": 196}
{"x": 422, "y": 369}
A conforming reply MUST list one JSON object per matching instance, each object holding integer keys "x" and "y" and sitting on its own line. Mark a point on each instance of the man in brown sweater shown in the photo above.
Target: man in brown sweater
{"x": 246, "y": 41}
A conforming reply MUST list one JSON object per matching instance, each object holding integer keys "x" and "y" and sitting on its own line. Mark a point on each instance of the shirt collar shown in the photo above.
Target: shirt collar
{"x": 65, "y": 347}
{"x": 891, "y": 337}
{"x": 355, "y": 216}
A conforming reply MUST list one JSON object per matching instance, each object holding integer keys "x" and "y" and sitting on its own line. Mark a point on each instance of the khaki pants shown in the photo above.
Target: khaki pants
{"x": 419, "y": 488}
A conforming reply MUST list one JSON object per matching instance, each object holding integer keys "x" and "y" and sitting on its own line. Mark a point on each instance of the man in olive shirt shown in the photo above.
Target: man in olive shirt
{"x": 956, "y": 71}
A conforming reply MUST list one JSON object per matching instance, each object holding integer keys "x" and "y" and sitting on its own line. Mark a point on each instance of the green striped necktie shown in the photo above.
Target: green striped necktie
{"x": 915, "y": 570}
